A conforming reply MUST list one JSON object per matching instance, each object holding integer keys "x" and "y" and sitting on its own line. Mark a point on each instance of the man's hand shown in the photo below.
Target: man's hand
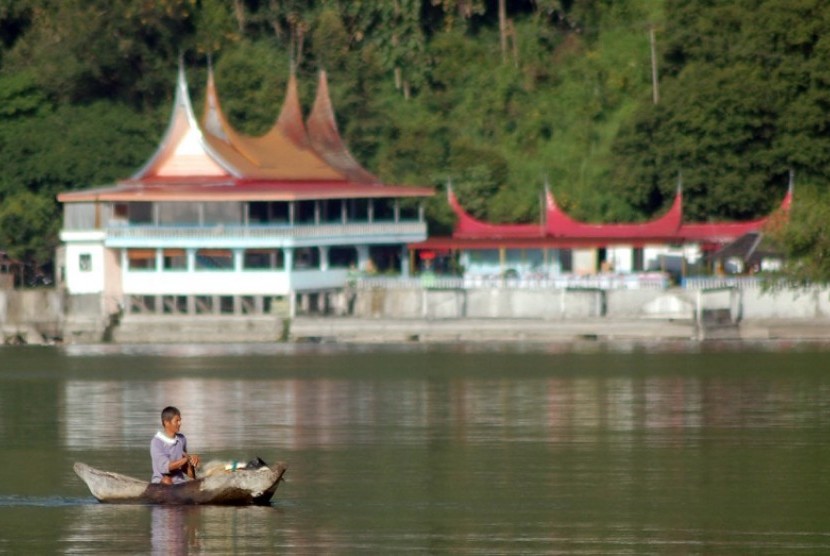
{"x": 193, "y": 460}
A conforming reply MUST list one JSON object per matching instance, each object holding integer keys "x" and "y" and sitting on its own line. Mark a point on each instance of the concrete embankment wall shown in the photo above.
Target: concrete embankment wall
{"x": 31, "y": 316}
{"x": 36, "y": 316}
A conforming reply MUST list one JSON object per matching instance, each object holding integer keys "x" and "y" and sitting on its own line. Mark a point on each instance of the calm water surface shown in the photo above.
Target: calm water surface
{"x": 679, "y": 449}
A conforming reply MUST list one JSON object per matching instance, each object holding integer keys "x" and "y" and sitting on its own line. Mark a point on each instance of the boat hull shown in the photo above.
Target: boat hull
{"x": 237, "y": 488}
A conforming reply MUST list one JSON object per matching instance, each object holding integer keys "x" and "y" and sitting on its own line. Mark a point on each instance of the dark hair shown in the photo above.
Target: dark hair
{"x": 168, "y": 413}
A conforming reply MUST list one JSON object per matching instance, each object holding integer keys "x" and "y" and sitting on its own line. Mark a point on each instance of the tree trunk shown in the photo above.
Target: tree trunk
{"x": 503, "y": 29}
{"x": 239, "y": 12}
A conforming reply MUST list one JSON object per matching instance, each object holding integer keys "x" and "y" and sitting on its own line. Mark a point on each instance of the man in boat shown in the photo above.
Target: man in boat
{"x": 168, "y": 451}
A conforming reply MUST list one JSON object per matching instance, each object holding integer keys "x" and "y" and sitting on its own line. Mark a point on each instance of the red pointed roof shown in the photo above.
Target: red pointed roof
{"x": 469, "y": 227}
{"x": 559, "y": 224}
{"x": 325, "y": 138}
{"x": 562, "y": 229}
{"x": 726, "y": 231}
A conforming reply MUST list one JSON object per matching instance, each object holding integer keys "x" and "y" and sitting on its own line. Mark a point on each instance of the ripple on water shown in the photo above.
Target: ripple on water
{"x": 45, "y": 501}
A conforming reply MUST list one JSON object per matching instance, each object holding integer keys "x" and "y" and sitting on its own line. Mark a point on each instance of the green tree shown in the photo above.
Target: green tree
{"x": 743, "y": 103}
{"x": 804, "y": 236}
{"x": 29, "y": 227}
{"x": 82, "y": 50}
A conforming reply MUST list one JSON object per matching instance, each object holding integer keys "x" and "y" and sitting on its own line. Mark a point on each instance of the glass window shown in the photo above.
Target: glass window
{"x": 174, "y": 259}
{"x": 384, "y": 209}
{"x": 305, "y": 212}
{"x": 306, "y": 257}
{"x": 141, "y": 259}
{"x": 214, "y": 259}
{"x": 342, "y": 257}
{"x": 262, "y": 259}
{"x": 85, "y": 262}
{"x": 140, "y": 213}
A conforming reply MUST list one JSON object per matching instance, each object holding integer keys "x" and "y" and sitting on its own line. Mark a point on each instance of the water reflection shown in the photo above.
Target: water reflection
{"x": 324, "y": 413}
{"x": 174, "y": 530}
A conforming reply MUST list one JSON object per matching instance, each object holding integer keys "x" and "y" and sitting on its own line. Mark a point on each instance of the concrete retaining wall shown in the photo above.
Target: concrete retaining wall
{"x": 786, "y": 304}
{"x": 33, "y": 316}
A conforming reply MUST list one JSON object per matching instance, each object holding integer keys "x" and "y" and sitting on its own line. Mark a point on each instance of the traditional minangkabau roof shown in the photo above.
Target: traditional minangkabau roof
{"x": 561, "y": 229}
{"x": 725, "y": 232}
{"x": 559, "y": 224}
{"x": 212, "y": 161}
{"x": 326, "y": 140}
{"x": 468, "y": 227}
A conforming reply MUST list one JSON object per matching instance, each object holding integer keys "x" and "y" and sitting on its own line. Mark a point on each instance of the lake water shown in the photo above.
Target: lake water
{"x": 588, "y": 449}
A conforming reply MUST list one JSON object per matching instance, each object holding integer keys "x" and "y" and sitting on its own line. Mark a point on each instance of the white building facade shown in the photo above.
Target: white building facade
{"x": 221, "y": 223}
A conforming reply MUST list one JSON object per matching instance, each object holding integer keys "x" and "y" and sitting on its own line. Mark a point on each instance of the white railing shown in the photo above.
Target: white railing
{"x": 715, "y": 282}
{"x": 224, "y": 231}
{"x": 650, "y": 281}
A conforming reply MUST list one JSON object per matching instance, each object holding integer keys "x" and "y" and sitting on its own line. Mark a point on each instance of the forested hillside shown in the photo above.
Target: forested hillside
{"x": 498, "y": 96}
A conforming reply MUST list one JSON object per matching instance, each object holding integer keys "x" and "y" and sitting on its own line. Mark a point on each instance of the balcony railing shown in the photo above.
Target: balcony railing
{"x": 297, "y": 231}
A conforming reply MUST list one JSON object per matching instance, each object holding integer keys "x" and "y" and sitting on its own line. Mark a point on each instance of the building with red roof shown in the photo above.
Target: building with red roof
{"x": 560, "y": 244}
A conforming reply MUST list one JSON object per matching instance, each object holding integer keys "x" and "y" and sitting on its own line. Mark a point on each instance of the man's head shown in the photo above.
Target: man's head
{"x": 171, "y": 420}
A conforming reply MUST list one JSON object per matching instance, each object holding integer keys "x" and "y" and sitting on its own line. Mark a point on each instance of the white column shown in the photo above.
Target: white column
{"x": 238, "y": 259}
{"x": 404, "y": 261}
{"x": 159, "y": 260}
{"x": 362, "y": 256}
{"x": 324, "y": 258}
{"x": 289, "y": 258}
{"x": 191, "y": 259}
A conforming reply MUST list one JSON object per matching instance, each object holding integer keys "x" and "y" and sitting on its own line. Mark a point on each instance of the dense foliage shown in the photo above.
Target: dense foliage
{"x": 498, "y": 96}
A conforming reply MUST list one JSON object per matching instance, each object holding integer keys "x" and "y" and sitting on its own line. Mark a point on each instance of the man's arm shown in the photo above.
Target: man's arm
{"x": 163, "y": 463}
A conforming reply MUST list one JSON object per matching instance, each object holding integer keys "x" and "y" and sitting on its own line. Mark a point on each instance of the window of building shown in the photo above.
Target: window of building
{"x": 140, "y": 213}
{"x": 342, "y": 257}
{"x": 331, "y": 210}
{"x": 141, "y": 259}
{"x": 120, "y": 211}
{"x": 85, "y": 262}
{"x": 214, "y": 259}
{"x": 384, "y": 210}
{"x": 262, "y": 259}
{"x": 305, "y": 212}
{"x": 306, "y": 258}
{"x": 358, "y": 210}
{"x": 261, "y": 212}
{"x": 174, "y": 259}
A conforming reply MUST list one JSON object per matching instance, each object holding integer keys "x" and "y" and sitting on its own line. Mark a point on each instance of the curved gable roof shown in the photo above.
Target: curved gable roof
{"x": 184, "y": 150}
{"x": 325, "y": 138}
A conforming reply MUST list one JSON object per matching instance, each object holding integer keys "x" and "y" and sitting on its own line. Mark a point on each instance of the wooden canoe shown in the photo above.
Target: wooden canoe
{"x": 230, "y": 488}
